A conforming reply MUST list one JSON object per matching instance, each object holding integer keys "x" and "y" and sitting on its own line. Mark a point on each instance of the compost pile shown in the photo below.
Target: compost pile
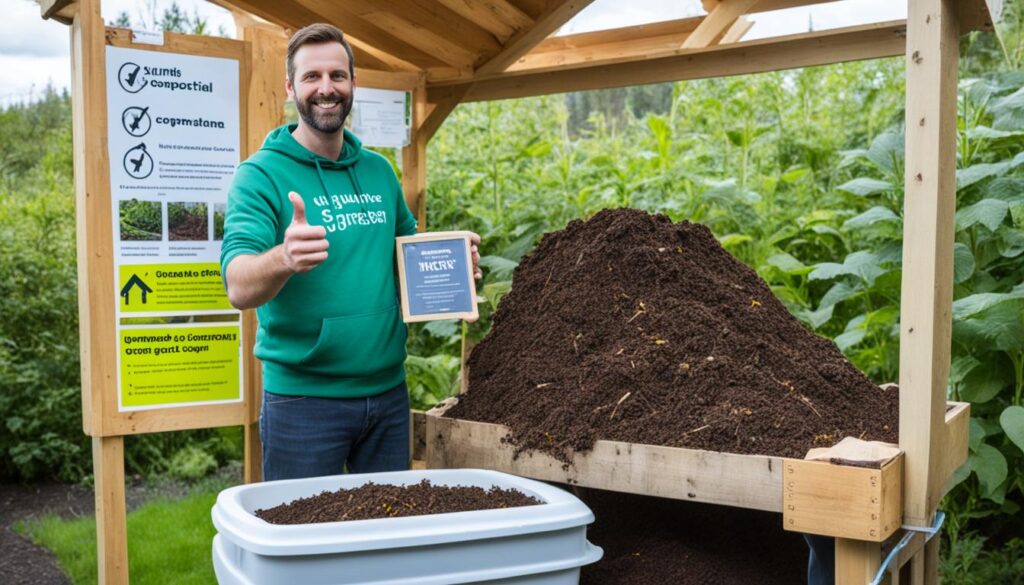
{"x": 650, "y": 541}
{"x": 629, "y": 327}
{"x": 373, "y": 501}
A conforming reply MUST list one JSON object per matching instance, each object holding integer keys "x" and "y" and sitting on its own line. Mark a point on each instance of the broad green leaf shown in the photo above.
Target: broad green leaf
{"x": 979, "y": 172}
{"x": 961, "y": 366}
{"x": 1012, "y": 421}
{"x": 982, "y": 384}
{"x": 988, "y": 212}
{"x": 817, "y": 318}
{"x": 1011, "y": 242}
{"x": 961, "y": 473}
{"x": 1009, "y": 189}
{"x": 838, "y": 293}
{"x": 871, "y": 216}
{"x": 886, "y": 151}
{"x": 963, "y": 262}
{"x": 795, "y": 175}
{"x": 986, "y": 133}
{"x": 786, "y": 263}
{"x": 538, "y": 149}
{"x": 444, "y": 328}
{"x": 1017, "y": 214}
{"x": 733, "y": 240}
{"x": 850, "y": 339}
{"x": 498, "y": 267}
{"x": 862, "y": 264}
{"x": 976, "y": 432}
{"x": 1004, "y": 326}
{"x": 494, "y": 291}
{"x": 990, "y": 466}
{"x": 974, "y": 304}
{"x": 865, "y": 186}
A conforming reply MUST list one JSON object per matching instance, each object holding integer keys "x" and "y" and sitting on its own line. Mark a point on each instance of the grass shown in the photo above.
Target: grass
{"x": 168, "y": 540}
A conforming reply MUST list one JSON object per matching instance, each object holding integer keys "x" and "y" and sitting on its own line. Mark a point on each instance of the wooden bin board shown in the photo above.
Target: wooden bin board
{"x": 835, "y": 500}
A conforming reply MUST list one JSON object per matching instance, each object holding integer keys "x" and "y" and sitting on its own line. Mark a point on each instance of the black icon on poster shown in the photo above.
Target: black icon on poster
{"x": 131, "y": 78}
{"x": 136, "y": 120}
{"x": 137, "y": 162}
{"x": 135, "y": 282}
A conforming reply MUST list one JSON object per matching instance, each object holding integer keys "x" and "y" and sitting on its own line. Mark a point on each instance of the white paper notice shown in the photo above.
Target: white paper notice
{"x": 380, "y": 117}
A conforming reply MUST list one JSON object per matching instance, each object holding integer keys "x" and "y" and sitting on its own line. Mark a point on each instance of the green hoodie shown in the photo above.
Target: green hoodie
{"x": 335, "y": 331}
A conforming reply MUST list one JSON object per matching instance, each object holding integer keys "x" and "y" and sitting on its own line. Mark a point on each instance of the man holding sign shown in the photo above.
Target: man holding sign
{"x": 309, "y": 241}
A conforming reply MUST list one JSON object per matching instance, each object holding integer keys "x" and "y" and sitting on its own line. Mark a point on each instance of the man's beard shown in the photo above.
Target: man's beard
{"x": 325, "y": 122}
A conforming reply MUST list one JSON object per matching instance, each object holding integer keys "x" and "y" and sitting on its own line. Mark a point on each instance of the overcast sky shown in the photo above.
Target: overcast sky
{"x": 34, "y": 52}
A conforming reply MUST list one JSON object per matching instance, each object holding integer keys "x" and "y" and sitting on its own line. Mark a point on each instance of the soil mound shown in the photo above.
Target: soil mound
{"x": 629, "y": 327}
{"x": 373, "y": 501}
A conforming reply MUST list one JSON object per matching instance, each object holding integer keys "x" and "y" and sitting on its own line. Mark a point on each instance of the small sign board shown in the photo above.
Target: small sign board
{"x": 435, "y": 272}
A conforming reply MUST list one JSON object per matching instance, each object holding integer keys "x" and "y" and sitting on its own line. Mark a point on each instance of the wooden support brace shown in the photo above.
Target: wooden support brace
{"x": 717, "y": 22}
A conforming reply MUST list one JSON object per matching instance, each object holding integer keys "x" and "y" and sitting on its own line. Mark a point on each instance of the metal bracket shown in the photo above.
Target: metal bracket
{"x": 929, "y": 532}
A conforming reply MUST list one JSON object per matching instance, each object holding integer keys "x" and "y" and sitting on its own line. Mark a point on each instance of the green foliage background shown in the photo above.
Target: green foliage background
{"x": 798, "y": 173}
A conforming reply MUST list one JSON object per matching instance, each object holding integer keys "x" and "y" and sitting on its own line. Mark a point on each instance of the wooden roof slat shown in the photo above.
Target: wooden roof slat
{"x": 558, "y": 13}
{"x": 534, "y": 8}
{"x": 442, "y": 48}
{"x": 499, "y": 17}
{"x": 717, "y": 22}
{"x": 356, "y": 26}
{"x": 802, "y": 50}
{"x": 442, "y": 21}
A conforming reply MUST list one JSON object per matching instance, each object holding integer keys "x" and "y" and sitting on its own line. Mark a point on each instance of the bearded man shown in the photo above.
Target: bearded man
{"x": 309, "y": 241}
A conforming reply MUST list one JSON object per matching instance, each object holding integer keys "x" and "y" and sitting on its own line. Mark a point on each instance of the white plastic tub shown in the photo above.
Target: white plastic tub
{"x": 530, "y": 545}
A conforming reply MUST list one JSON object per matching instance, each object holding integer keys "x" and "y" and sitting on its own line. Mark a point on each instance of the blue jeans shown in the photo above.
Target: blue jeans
{"x": 821, "y": 565}
{"x": 305, "y": 436}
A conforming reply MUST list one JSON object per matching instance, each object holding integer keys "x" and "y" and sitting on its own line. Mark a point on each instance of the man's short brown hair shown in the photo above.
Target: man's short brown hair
{"x": 316, "y": 34}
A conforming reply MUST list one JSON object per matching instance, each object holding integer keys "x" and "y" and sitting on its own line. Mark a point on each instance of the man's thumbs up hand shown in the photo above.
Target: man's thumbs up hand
{"x": 305, "y": 246}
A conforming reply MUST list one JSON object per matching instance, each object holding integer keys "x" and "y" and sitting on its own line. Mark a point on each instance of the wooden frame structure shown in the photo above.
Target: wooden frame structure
{"x": 450, "y": 51}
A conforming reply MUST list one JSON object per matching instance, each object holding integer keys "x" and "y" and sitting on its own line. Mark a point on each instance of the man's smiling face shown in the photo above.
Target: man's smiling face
{"x": 322, "y": 86}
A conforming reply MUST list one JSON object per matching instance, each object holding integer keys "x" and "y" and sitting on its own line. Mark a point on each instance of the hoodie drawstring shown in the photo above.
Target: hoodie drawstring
{"x": 351, "y": 177}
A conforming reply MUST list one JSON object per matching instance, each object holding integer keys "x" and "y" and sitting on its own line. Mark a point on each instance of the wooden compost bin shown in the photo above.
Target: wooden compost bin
{"x": 820, "y": 498}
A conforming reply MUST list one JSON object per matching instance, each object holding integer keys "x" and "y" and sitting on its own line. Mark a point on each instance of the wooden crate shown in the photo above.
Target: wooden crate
{"x": 843, "y": 501}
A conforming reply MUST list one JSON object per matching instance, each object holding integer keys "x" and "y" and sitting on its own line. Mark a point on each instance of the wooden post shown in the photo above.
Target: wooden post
{"x": 927, "y": 291}
{"x": 96, "y": 311}
{"x": 267, "y": 48}
{"x": 414, "y": 159}
{"x": 857, "y": 561}
{"x": 111, "y": 513}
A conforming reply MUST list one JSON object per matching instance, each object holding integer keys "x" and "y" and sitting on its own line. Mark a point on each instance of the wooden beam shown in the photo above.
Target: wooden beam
{"x": 499, "y": 17}
{"x": 717, "y": 22}
{"x": 978, "y": 14}
{"x": 558, "y": 13}
{"x": 606, "y": 46}
{"x": 929, "y": 207}
{"x": 804, "y": 50}
{"x": 401, "y": 80}
{"x": 60, "y": 10}
{"x": 736, "y": 31}
{"x": 744, "y": 481}
{"x": 437, "y": 113}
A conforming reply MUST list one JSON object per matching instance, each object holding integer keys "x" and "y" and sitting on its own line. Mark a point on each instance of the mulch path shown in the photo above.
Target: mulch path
{"x": 373, "y": 501}
{"x": 629, "y": 327}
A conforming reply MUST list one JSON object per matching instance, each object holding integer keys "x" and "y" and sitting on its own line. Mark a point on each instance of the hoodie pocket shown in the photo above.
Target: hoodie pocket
{"x": 358, "y": 346}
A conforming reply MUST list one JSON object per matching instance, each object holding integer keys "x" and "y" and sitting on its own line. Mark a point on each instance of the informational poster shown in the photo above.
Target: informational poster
{"x": 173, "y": 130}
{"x": 381, "y": 117}
{"x": 436, "y": 276}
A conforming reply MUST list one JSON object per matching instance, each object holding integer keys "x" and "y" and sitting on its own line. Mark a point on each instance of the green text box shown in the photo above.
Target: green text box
{"x": 167, "y": 366}
{"x": 150, "y": 288}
